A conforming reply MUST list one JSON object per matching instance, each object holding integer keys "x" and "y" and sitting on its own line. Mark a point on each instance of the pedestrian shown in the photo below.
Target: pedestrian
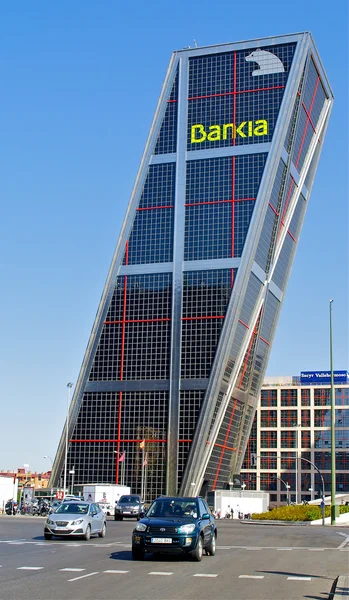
{"x": 232, "y": 513}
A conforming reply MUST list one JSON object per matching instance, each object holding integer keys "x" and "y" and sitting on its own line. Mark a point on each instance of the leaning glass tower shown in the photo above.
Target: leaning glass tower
{"x": 170, "y": 380}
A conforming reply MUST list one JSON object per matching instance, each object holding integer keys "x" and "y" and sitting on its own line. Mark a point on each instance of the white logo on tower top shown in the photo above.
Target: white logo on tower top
{"x": 267, "y": 61}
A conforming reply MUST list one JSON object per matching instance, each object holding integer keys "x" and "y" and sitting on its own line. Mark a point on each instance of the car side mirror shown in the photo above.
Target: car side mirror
{"x": 205, "y": 516}
{"x": 93, "y": 513}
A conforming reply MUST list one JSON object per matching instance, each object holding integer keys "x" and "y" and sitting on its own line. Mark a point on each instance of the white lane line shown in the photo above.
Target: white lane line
{"x": 285, "y": 548}
{"x": 72, "y": 569}
{"x": 205, "y": 575}
{"x": 29, "y": 568}
{"x": 159, "y": 573}
{"x": 251, "y": 548}
{"x": 316, "y": 549}
{"x": 114, "y": 571}
{"x": 251, "y": 576}
{"x": 83, "y": 576}
{"x": 74, "y": 545}
{"x": 298, "y": 578}
{"x": 16, "y": 543}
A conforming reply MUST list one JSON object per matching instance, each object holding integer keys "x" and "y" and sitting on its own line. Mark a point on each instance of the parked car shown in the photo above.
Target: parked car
{"x": 76, "y": 519}
{"x": 129, "y": 507}
{"x": 176, "y": 525}
{"x": 106, "y": 508}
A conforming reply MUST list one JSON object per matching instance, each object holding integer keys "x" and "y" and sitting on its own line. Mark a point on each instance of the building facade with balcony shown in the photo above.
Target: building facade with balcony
{"x": 292, "y": 426}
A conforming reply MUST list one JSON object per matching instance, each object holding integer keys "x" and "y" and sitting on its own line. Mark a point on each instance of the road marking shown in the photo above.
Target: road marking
{"x": 251, "y": 548}
{"x": 159, "y": 573}
{"x": 29, "y": 568}
{"x": 72, "y": 569}
{"x": 298, "y": 578}
{"x": 16, "y": 543}
{"x": 315, "y": 549}
{"x": 83, "y": 576}
{"x": 344, "y": 543}
{"x": 205, "y": 575}
{"x": 114, "y": 571}
{"x": 251, "y": 576}
{"x": 74, "y": 545}
{"x": 285, "y": 548}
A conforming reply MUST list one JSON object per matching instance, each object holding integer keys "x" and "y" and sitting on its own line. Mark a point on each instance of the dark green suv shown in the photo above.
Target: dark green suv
{"x": 176, "y": 525}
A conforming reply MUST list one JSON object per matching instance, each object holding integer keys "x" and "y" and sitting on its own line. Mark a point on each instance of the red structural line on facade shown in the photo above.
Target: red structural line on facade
{"x": 185, "y": 441}
{"x": 263, "y": 340}
{"x": 236, "y": 93}
{"x": 136, "y": 321}
{"x": 274, "y": 210}
{"x": 155, "y": 207}
{"x": 224, "y": 446}
{"x": 291, "y": 236}
{"x": 309, "y": 117}
{"x": 244, "y": 324}
{"x": 219, "y": 201}
{"x": 232, "y": 204}
{"x": 204, "y": 317}
{"x": 138, "y": 441}
{"x": 117, "y": 455}
{"x": 234, "y": 102}
{"x": 307, "y": 121}
{"x": 171, "y": 100}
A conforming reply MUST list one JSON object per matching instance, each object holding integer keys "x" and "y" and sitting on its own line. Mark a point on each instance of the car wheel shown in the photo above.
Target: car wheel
{"x": 103, "y": 531}
{"x": 48, "y": 536}
{"x": 137, "y": 553}
{"x": 138, "y": 517}
{"x": 87, "y": 533}
{"x": 211, "y": 548}
{"x": 197, "y": 553}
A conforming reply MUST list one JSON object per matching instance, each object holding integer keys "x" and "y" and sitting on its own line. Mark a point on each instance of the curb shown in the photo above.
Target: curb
{"x": 277, "y": 523}
{"x": 341, "y": 591}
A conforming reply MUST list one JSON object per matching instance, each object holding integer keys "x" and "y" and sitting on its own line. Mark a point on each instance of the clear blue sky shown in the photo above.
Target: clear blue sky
{"x": 79, "y": 86}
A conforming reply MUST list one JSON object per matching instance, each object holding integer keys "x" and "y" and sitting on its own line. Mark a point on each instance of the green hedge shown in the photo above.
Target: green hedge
{"x": 299, "y": 512}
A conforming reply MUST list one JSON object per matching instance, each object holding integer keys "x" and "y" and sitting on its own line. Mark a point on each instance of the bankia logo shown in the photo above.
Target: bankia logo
{"x": 215, "y": 133}
{"x": 268, "y": 63}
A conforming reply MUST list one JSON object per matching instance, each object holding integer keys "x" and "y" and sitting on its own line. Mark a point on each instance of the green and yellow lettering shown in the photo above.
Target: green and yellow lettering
{"x": 225, "y": 130}
{"x": 250, "y": 132}
{"x": 200, "y": 130}
{"x": 262, "y": 127}
{"x": 240, "y": 128}
{"x": 215, "y": 133}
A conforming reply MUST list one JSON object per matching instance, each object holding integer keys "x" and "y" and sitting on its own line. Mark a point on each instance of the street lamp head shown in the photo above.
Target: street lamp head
{"x": 70, "y": 385}
{"x": 331, "y": 301}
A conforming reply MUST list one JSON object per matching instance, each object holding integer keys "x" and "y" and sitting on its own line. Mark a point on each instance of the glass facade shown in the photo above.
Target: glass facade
{"x": 183, "y": 331}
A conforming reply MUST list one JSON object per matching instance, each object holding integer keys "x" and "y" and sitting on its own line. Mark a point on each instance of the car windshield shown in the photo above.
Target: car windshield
{"x": 129, "y": 500}
{"x": 173, "y": 508}
{"x": 74, "y": 508}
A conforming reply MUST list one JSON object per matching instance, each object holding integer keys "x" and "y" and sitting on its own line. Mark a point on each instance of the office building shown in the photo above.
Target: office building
{"x": 183, "y": 331}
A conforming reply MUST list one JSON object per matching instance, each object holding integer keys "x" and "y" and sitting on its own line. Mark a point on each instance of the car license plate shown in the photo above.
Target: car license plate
{"x": 126, "y": 512}
{"x": 161, "y": 540}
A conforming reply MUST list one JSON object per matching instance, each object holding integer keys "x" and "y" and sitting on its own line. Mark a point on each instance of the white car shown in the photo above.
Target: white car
{"x": 76, "y": 519}
{"x": 106, "y": 508}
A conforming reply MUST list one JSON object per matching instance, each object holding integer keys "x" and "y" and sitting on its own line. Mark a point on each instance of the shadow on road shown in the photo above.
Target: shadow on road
{"x": 292, "y": 574}
{"x": 127, "y": 555}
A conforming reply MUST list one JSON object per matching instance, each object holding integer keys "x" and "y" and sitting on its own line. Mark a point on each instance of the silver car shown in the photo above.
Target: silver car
{"x": 76, "y": 519}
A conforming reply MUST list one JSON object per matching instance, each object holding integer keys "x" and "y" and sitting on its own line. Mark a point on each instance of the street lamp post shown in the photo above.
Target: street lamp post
{"x": 333, "y": 439}
{"x": 323, "y": 487}
{"x": 69, "y": 386}
{"x": 72, "y": 473}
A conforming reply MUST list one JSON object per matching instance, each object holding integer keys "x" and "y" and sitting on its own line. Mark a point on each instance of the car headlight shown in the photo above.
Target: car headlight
{"x": 49, "y": 522}
{"x": 187, "y": 528}
{"x": 141, "y": 527}
{"x": 77, "y": 522}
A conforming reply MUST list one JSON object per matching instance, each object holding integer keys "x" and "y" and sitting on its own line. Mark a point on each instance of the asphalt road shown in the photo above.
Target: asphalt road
{"x": 252, "y": 562}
